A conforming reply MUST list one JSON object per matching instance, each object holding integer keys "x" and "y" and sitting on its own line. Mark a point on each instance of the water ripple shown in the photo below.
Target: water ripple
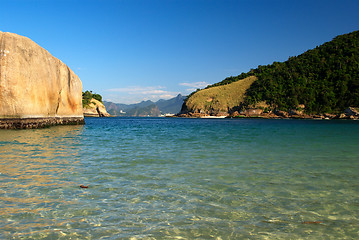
{"x": 181, "y": 179}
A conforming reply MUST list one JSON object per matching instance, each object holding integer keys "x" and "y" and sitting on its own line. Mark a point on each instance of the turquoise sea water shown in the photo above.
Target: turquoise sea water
{"x": 168, "y": 178}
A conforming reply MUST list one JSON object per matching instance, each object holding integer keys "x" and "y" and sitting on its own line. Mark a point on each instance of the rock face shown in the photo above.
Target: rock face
{"x": 36, "y": 89}
{"x": 95, "y": 109}
{"x": 351, "y": 111}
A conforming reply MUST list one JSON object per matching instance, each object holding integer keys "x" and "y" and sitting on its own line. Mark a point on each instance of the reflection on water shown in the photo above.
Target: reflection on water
{"x": 35, "y": 174}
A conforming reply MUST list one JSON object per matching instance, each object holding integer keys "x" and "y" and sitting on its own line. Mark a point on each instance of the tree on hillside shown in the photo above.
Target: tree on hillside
{"x": 88, "y": 95}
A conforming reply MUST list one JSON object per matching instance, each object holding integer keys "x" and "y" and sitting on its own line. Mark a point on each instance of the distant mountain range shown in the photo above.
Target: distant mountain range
{"x": 146, "y": 108}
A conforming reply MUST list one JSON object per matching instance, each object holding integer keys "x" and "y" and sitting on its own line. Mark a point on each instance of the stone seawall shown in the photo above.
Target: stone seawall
{"x": 28, "y": 123}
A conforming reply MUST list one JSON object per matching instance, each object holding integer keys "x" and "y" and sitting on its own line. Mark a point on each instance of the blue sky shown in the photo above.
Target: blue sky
{"x": 134, "y": 50}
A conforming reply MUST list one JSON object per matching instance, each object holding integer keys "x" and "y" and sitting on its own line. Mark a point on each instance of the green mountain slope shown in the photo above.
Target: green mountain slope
{"x": 219, "y": 99}
{"x": 323, "y": 80}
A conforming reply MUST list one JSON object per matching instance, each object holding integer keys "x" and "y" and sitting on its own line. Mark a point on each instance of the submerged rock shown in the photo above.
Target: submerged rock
{"x": 36, "y": 89}
{"x": 312, "y": 222}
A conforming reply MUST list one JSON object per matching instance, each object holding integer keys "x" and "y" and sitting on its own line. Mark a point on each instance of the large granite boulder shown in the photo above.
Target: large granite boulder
{"x": 36, "y": 89}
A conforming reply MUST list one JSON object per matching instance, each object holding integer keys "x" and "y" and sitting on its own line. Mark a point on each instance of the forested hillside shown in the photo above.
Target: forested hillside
{"x": 324, "y": 79}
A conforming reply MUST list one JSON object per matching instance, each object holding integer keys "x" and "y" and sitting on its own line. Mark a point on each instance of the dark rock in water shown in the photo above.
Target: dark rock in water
{"x": 28, "y": 123}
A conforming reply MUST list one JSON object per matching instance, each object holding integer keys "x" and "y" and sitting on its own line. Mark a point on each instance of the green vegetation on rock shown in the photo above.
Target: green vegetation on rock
{"x": 88, "y": 95}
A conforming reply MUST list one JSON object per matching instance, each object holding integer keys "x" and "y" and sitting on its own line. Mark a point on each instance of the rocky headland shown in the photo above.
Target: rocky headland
{"x": 95, "y": 108}
{"x": 36, "y": 89}
{"x": 321, "y": 83}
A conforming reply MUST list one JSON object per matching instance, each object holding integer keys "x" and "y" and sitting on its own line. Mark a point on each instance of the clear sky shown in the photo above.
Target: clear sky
{"x": 134, "y": 50}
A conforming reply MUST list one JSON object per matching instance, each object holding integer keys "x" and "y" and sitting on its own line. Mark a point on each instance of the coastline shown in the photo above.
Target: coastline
{"x": 277, "y": 115}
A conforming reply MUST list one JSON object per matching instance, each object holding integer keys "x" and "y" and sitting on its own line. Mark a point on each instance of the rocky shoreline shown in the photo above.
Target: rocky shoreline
{"x": 350, "y": 113}
{"x": 29, "y": 123}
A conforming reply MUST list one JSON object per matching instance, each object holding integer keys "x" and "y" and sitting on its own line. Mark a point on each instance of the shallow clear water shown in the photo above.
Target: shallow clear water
{"x": 167, "y": 178}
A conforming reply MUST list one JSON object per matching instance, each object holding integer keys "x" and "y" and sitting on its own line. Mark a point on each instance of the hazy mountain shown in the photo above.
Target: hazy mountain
{"x": 146, "y": 108}
{"x": 172, "y": 105}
